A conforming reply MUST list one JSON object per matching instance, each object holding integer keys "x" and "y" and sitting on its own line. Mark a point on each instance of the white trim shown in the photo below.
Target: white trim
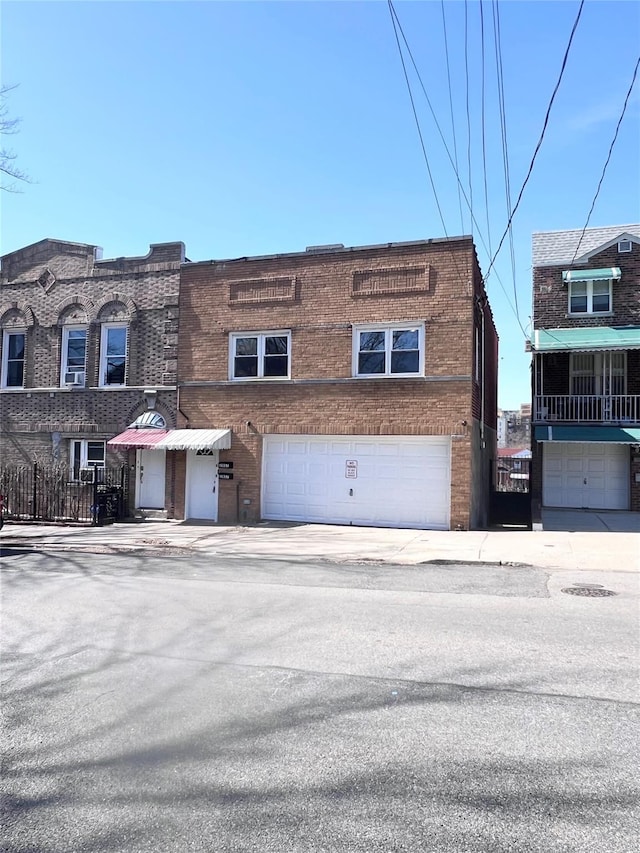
{"x": 64, "y": 355}
{"x": 388, "y": 329}
{"x": 103, "y": 354}
{"x": 588, "y": 283}
{"x": 260, "y": 354}
{"x": 84, "y": 451}
{"x": 6, "y": 333}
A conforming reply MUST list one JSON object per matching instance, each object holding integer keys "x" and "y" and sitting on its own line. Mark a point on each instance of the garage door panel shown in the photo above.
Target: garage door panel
{"x": 399, "y": 482}
{"x": 586, "y": 476}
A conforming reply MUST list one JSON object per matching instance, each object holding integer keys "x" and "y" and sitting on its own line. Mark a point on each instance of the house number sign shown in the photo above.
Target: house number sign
{"x": 351, "y": 469}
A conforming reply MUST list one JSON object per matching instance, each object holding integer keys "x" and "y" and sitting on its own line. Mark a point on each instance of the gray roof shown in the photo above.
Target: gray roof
{"x": 559, "y": 247}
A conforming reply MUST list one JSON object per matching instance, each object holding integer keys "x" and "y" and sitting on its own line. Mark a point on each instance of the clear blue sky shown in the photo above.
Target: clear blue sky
{"x": 264, "y": 127}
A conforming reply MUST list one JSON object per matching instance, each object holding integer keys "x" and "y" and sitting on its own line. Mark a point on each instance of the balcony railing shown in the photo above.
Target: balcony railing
{"x": 587, "y": 408}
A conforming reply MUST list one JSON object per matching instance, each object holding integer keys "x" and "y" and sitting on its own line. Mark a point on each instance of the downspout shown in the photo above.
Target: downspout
{"x": 481, "y": 304}
{"x": 178, "y": 406}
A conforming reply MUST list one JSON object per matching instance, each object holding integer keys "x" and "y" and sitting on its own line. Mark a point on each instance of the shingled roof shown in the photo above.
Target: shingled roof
{"x": 558, "y": 247}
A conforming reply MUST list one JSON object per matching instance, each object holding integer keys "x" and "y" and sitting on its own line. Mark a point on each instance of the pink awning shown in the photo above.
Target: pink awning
{"x": 144, "y": 439}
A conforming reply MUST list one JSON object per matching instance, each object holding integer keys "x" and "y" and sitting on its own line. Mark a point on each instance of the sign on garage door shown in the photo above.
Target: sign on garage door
{"x": 395, "y": 481}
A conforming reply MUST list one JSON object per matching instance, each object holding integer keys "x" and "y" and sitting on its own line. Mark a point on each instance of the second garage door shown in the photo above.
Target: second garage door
{"x": 398, "y": 481}
{"x": 586, "y": 476}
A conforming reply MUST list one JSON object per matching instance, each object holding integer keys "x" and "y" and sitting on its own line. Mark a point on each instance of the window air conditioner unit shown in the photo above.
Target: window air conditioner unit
{"x": 86, "y": 475}
{"x": 74, "y": 377}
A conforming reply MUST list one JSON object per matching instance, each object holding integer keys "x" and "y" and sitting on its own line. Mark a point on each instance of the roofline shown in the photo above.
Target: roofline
{"x": 152, "y": 246}
{"x": 50, "y": 240}
{"x": 94, "y": 246}
{"x": 319, "y": 253}
{"x": 584, "y": 259}
{"x": 593, "y": 228}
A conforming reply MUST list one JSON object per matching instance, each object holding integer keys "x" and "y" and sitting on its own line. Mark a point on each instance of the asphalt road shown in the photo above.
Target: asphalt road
{"x": 179, "y": 704}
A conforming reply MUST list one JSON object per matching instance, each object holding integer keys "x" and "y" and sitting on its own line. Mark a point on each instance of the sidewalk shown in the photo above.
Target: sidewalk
{"x": 552, "y": 549}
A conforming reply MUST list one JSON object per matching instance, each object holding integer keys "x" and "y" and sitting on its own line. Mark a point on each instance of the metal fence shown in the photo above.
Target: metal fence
{"x": 46, "y": 493}
{"x": 512, "y": 474}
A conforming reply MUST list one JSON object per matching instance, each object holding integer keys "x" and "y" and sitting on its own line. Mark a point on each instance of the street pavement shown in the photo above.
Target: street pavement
{"x": 196, "y": 701}
{"x": 571, "y": 541}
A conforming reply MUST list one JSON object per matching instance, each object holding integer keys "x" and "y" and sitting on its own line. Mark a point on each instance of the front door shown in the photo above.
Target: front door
{"x": 150, "y": 470}
{"x": 202, "y": 485}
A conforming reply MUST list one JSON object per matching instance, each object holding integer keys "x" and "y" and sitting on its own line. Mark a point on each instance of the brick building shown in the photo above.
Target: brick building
{"x": 514, "y": 426}
{"x": 88, "y": 346}
{"x": 586, "y": 369}
{"x": 346, "y": 385}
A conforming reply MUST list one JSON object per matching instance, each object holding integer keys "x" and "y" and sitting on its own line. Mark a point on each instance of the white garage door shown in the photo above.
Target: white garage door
{"x": 398, "y": 481}
{"x": 586, "y": 476}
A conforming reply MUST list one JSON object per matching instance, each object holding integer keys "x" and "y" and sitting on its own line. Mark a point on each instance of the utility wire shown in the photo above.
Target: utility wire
{"x": 505, "y": 147}
{"x": 484, "y": 140}
{"x": 394, "y": 20}
{"x": 398, "y": 26}
{"x": 466, "y": 80}
{"x": 415, "y": 116}
{"x": 544, "y": 128}
{"x": 613, "y": 142}
{"x": 453, "y": 125}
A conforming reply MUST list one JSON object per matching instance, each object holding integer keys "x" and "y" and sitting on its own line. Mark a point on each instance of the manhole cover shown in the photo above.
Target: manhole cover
{"x": 589, "y": 591}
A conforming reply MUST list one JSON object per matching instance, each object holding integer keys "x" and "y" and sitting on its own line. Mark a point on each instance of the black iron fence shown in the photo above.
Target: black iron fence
{"x": 512, "y": 475}
{"x": 46, "y": 493}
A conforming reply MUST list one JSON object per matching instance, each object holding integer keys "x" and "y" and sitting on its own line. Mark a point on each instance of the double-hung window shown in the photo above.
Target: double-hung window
{"x": 113, "y": 355}
{"x": 590, "y": 297}
{"x": 85, "y": 454}
{"x": 260, "y": 355}
{"x": 74, "y": 355}
{"x": 13, "y": 351}
{"x": 394, "y": 350}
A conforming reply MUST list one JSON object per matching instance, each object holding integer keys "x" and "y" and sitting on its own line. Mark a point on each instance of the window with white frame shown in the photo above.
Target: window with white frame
{"x": 73, "y": 369}
{"x": 260, "y": 355}
{"x": 13, "y": 357}
{"x": 85, "y": 454}
{"x": 394, "y": 350}
{"x": 590, "y": 297}
{"x": 113, "y": 355}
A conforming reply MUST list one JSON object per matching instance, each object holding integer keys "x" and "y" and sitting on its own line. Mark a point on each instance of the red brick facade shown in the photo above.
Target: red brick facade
{"x": 319, "y": 297}
{"x": 551, "y": 374}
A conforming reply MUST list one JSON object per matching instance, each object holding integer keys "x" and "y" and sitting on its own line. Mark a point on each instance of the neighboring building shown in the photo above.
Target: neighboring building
{"x": 514, "y": 426}
{"x": 586, "y": 370}
{"x": 340, "y": 385}
{"x": 88, "y": 347}
{"x": 512, "y": 469}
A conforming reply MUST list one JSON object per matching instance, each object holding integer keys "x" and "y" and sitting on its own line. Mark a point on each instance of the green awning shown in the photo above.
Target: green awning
{"x": 591, "y": 338}
{"x": 606, "y": 274}
{"x": 617, "y": 435}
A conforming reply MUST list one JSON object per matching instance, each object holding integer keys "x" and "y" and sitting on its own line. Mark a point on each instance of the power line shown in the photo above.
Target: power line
{"x": 505, "y": 146}
{"x": 482, "y": 113}
{"x": 453, "y": 125}
{"x": 395, "y": 20}
{"x": 398, "y": 26}
{"x": 544, "y": 128}
{"x": 415, "y": 116}
{"x": 613, "y": 142}
{"x": 466, "y": 79}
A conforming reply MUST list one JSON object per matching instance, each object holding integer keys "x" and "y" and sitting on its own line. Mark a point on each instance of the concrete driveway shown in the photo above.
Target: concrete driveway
{"x": 590, "y": 521}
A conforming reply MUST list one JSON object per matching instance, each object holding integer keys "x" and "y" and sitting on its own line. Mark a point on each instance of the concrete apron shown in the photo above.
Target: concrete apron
{"x": 590, "y": 521}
